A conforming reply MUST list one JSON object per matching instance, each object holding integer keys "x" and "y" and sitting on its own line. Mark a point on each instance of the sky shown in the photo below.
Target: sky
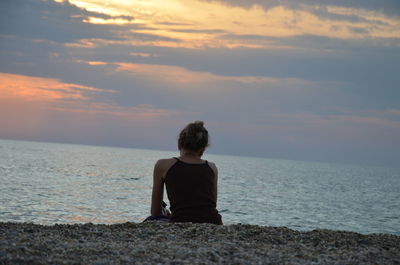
{"x": 287, "y": 79}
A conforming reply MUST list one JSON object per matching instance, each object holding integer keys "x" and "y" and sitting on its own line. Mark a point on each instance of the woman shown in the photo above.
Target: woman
{"x": 191, "y": 182}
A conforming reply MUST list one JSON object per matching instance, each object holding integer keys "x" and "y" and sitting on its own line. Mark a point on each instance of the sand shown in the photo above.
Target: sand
{"x": 186, "y": 243}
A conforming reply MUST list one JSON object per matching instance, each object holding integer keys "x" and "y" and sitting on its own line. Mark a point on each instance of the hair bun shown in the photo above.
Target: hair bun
{"x": 195, "y": 127}
{"x": 199, "y": 123}
{"x": 194, "y": 136}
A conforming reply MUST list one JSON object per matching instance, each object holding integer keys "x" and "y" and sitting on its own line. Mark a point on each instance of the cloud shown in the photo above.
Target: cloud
{"x": 60, "y": 22}
{"x": 355, "y": 66}
{"x": 37, "y": 108}
{"x": 178, "y": 75}
{"x": 37, "y": 88}
{"x": 68, "y": 97}
{"x": 389, "y": 7}
{"x": 185, "y": 24}
{"x": 77, "y": 27}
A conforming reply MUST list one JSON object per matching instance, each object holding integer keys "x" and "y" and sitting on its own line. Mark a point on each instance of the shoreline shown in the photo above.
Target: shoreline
{"x": 187, "y": 243}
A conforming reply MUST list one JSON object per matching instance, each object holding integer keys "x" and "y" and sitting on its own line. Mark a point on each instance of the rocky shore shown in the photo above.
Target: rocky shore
{"x": 163, "y": 243}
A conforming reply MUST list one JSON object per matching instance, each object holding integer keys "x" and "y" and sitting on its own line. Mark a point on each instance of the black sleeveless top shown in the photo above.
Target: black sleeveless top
{"x": 191, "y": 191}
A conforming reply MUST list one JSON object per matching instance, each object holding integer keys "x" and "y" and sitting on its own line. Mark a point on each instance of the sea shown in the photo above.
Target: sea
{"x": 49, "y": 183}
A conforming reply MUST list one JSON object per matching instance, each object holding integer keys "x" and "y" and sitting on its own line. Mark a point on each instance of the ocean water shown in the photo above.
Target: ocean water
{"x": 49, "y": 183}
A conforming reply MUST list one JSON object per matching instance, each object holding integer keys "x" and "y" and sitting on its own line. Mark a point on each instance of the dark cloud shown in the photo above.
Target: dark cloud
{"x": 60, "y": 22}
{"x": 175, "y": 24}
{"x": 358, "y": 30}
{"x": 389, "y": 7}
{"x": 34, "y": 34}
{"x": 363, "y": 67}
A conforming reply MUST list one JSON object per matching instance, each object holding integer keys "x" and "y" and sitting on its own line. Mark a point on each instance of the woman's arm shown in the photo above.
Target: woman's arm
{"x": 158, "y": 190}
{"x": 215, "y": 169}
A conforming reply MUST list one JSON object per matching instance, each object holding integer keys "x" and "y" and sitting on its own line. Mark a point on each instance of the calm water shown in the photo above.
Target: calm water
{"x": 58, "y": 183}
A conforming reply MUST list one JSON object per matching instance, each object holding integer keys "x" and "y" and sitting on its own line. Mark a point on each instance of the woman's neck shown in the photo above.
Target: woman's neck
{"x": 190, "y": 156}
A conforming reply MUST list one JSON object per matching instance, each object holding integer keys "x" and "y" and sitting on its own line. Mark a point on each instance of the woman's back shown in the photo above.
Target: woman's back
{"x": 192, "y": 192}
{"x": 190, "y": 181}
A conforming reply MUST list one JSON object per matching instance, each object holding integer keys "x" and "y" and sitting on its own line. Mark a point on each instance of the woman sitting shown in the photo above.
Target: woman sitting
{"x": 191, "y": 182}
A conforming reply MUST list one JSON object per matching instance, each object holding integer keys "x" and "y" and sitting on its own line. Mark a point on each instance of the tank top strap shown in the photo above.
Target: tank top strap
{"x": 177, "y": 159}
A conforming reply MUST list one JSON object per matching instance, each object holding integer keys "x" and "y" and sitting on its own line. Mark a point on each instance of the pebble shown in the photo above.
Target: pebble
{"x": 187, "y": 243}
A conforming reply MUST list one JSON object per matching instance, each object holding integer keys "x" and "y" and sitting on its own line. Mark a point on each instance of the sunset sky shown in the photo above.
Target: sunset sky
{"x": 292, "y": 79}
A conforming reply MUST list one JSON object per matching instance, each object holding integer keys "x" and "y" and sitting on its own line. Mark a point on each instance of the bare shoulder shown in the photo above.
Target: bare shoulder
{"x": 166, "y": 162}
{"x": 164, "y": 165}
{"x": 213, "y": 167}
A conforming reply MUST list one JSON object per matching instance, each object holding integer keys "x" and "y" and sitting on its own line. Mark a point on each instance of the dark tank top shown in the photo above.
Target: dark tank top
{"x": 191, "y": 191}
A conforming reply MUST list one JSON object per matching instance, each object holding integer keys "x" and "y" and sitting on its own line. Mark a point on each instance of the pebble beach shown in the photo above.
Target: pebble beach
{"x": 187, "y": 243}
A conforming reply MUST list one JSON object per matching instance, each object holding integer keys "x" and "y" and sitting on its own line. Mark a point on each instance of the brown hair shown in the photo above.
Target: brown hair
{"x": 193, "y": 137}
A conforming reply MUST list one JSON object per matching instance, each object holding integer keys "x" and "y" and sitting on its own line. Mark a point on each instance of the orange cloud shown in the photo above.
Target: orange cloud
{"x": 72, "y": 98}
{"x": 96, "y": 63}
{"x": 27, "y": 103}
{"x": 116, "y": 21}
{"x": 34, "y": 107}
{"x": 181, "y": 76}
{"x": 42, "y": 89}
{"x": 198, "y": 24}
